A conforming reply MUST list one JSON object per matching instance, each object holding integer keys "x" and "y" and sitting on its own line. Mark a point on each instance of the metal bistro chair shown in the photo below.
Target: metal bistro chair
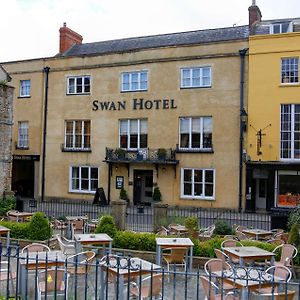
{"x": 217, "y": 265}
{"x": 35, "y": 247}
{"x": 151, "y": 286}
{"x": 52, "y": 282}
{"x": 231, "y": 243}
{"x": 210, "y": 290}
{"x": 176, "y": 257}
{"x": 68, "y": 247}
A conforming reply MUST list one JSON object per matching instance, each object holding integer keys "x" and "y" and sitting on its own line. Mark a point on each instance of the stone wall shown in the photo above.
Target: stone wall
{"x": 6, "y": 122}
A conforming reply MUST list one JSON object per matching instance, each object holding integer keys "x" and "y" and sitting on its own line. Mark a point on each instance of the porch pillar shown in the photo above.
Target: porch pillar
{"x": 160, "y": 214}
{"x": 118, "y": 211}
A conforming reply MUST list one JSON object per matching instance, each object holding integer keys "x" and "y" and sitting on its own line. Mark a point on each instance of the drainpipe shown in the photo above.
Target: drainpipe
{"x": 242, "y": 53}
{"x": 46, "y": 71}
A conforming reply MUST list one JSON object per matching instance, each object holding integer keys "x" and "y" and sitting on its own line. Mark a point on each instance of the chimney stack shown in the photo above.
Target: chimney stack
{"x": 68, "y": 38}
{"x": 254, "y": 14}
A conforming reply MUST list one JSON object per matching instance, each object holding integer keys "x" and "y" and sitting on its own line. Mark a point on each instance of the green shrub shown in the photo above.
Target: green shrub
{"x": 123, "y": 194}
{"x": 294, "y": 217}
{"x": 39, "y": 227}
{"x": 294, "y": 237}
{"x": 135, "y": 241}
{"x": 17, "y": 230}
{"x": 222, "y": 228}
{"x": 107, "y": 225}
{"x": 7, "y": 204}
{"x": 191, "y": 223}
{"x": 156, "y": 194}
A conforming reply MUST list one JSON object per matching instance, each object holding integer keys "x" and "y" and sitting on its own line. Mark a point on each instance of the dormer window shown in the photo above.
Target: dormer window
{"x": 277, "y": 28}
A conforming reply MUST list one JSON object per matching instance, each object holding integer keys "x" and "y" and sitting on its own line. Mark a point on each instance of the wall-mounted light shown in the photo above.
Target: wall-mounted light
{"x": 116, "y": 168}
{"x": 164, "y": 169}
{"x": 244, "y": 118}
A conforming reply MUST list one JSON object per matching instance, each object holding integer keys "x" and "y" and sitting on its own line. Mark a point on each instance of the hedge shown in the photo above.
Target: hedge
{"x": 37, "y": 229}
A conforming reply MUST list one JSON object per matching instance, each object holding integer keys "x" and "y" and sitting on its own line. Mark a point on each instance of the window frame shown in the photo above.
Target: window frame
{"x": 25, "y": 90}
{"x": 191, "y": 70}
{"x": 202, "y": 196}
{"x": 83, "y": 135}
{"x": 80, "y": 190}
{"x": 23, "y": 143}
{"x": 129, "y": 134}
{"x": 289, "y": 71}
{"x": 139, "y": 81}
{"x": 289, "y": 27}
{"x": 290, "y": 131}
{"x": 190, "y": 148}
{"x": 76, "y": 78}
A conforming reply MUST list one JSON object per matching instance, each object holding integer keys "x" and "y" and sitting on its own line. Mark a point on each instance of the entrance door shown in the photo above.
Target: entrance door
{"x": 23, "y": 177}
{"x": 261, "y": 194}
{"x": 143, "y": 186}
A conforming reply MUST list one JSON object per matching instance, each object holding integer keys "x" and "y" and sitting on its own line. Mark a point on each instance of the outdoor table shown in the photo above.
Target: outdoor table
{"x": 93, "y": 239}
{"x": 257, "y": 233}
{"x": 162, "y": 243}
{"x": 71, "y": 219}
{"x": 4, "y": 230}
{"x": 20, "y": 216}
{"x": 248, "y": 253}
{"x": 178, "y": 229}
{"x": 36, "y": 260}
{"x": 247, "y": 279}
{"x": 134, "y": 266}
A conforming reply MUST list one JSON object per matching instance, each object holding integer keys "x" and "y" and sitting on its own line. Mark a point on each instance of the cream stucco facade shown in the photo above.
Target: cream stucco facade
{"x": 165, "y": 102}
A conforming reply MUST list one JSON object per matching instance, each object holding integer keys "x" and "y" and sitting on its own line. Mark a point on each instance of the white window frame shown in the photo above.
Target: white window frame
{"x": 84, "y": 90}
{"x": 292, "y": 133}
{"x": 139, "y": 81}
{"x": 289, "y": 29}
{"x": 128, "y": 133}
{"x": 80, "y": 190}
{"x": 83, "y": 136}
{"x": 191, "y": 71}
{"x": 289, "y": 71}
{"x": 25, "y": 87}
{"x": 190, "y": 133}
{"x": 201, "y": 197}
{"x": 23, "y": 129}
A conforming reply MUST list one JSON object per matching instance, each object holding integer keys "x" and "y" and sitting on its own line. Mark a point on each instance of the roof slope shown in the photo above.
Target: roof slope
{"x": 157, "y": 41}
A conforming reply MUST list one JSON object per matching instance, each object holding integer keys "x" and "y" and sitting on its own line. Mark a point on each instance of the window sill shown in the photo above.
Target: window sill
{"x": 194, "y": 150}
{"x": 82, "y": 192}
{"x": 134, "y": 91}
{"x": 75, "y": 150}
{"x": 78, "y": 94}
{"x": 289, "y": 84}
{"x": 195, "y": 87}
{"x": 24, "y": 97}
{"x": 22, "y": 148}
{"x": 196, "y": 199}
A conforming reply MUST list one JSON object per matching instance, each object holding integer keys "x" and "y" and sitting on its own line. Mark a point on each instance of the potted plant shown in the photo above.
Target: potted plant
{"x": 120, "y": 153}
{"x": 123, "y": 195}
{"x": 191, "y": 224}
{"x": 162, "y": 153}
{"x": 156, "y": 194}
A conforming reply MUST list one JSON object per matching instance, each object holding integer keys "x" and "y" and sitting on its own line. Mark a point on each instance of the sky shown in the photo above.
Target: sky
{"x": 30, "y": 28}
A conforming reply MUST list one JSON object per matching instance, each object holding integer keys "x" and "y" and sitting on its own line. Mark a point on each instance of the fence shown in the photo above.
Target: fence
{"x": 140, "y": 218}
{"x": 39, "y": 275}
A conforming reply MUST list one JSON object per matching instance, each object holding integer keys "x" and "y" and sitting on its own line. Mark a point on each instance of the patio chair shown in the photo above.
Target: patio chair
{"x": 288, "y": 252}
{"x": 7, "y": 274}
{"x": 150, "y": 286}
{"x": 242, "y": 236}
{"x": 281, "y": 273}
{"x": 240, "y": 228}
{"x": 217, "y": 265}
{"x": 176, "y": 257}
{"x": 163, "y": 231}
{"x": 52, "y": 282}
{"x": 210, "y": 290}
{"x": 35, "y": 247}
{"x": 67, "y": 247}
{"x": 276, "y": 241}
{"x": 207, "y": 233}
{"x": 59, "y": 225}
{"x": 231, "y": 243}
{"x": 223, "y": 256}
{"x": 10, "y": 217}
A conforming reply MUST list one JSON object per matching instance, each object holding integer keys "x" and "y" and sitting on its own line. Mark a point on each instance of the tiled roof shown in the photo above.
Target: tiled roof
{"x": 163, "y": 40}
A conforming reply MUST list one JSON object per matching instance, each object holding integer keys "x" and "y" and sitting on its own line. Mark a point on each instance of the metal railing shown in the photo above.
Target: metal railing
{"x": 41, "y": 275}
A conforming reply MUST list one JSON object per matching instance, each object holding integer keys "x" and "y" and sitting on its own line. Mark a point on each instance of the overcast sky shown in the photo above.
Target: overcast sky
{"x": 30, "y": 28}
